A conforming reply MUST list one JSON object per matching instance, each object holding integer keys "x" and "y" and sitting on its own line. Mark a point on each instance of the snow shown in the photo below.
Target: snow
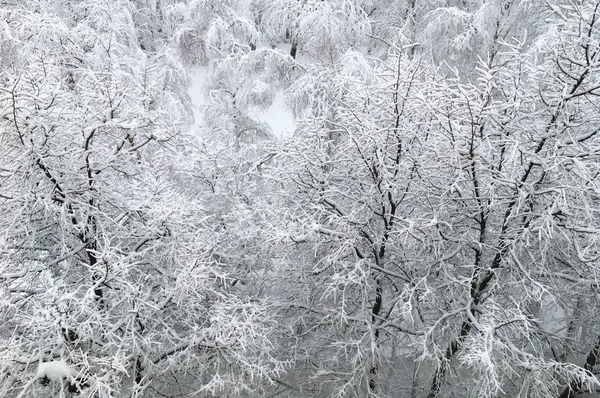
{"x": 13, "y": 275}
{"x": 199, "y": 77}
{"x": 553, "y": 317}
{"x": 55, "y": 370}
{"x": 278, "y": 116}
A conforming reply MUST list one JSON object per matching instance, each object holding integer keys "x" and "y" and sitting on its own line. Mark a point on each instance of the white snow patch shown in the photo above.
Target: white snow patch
{"x": 199, "y": 77}
{"x": 285, "y": 47}
{"x": 278, "y": 117}
{"x": 55, "y": 370}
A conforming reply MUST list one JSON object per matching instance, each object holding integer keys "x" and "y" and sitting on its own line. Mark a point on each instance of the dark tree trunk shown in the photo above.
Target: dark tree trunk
{"x": 294, "y": 49}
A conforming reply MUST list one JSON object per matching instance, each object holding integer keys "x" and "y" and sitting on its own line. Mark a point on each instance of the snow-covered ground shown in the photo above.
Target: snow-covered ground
{"x": 196, "y": 91}
{"x": 278, "y": 116}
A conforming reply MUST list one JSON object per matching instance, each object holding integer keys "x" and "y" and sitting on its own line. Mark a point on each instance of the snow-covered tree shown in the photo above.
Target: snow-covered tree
{"x": 108, "y": 254}
{"x": 430, "y": 230}
{"x": 208, "y": 30}
{"x": 440, "y": 234}
{"x": 321, "y": 30}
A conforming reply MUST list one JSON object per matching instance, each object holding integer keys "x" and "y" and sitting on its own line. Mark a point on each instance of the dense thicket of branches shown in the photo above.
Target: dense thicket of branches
{"x": 429, "y": 230}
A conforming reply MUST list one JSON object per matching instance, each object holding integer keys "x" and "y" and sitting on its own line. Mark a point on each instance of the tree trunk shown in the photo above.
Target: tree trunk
{"x": 294, "y": 49}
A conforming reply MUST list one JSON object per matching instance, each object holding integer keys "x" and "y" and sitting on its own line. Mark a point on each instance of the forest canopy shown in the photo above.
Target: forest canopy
{"x": 429, "y": 229}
